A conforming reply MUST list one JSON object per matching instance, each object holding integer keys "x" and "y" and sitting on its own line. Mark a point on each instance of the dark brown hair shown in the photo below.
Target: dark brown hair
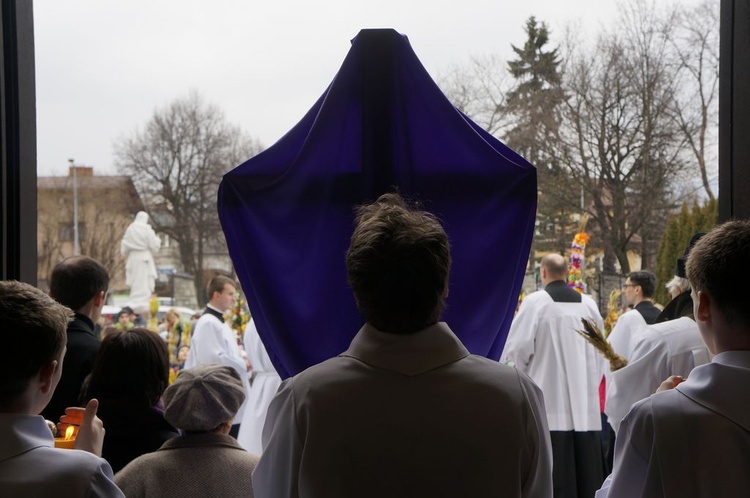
{"x": 398, "y": 264}
{"x": 76, "y": 280}
{"x": 131, "y": 364}
{"x": 646, "y": 280}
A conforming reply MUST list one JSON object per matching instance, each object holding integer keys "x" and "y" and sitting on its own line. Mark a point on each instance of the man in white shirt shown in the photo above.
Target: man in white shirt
{"x": 692, "y": 440}
{"x": 543, "y": 343}
{"x": 406, "y": 410}
{"x": 214, "y": 341}
{"x": 31, "y": 362}
{"x": 637, "y": 291}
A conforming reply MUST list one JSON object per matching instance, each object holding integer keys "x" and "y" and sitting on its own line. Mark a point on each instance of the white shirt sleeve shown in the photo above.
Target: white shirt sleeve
{"x": 519, "y": 346}
{"x": 276, "y": 475}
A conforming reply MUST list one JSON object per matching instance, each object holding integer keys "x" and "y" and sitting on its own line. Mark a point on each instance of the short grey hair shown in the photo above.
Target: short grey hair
{"x": 678, "y": 282}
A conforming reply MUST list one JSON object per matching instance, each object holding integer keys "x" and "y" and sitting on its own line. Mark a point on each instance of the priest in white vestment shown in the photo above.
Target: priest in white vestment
{"x": 543, "y": 343}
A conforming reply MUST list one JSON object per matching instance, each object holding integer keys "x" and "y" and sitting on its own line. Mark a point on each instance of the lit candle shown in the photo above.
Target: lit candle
{"x": 69, "y": 441}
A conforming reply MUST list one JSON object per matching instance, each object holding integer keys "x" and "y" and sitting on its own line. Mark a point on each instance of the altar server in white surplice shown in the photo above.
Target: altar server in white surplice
{"x": 692, "y": 439}
{"x": 543, "y": 343}
{"x": 663, "y": 349}
{"x": 262, "y": 390}
{"x": 214, "y": 341}
{"x": 637, "y": 290}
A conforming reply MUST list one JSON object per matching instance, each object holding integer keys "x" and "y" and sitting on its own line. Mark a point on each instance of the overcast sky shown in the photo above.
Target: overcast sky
{"x": 102, "y": 67}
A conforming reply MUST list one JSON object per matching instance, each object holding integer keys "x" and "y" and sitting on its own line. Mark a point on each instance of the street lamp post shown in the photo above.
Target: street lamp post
{"x": 76, "y": 243}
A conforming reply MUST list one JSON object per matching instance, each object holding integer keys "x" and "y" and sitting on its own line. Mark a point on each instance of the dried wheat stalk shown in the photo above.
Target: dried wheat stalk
{"x": 595, "y": 336}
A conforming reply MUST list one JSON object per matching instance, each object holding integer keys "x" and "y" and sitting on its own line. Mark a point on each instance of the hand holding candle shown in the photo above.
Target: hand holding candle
{"x": 68, "y": 440}
{"x": 90, "y": 434}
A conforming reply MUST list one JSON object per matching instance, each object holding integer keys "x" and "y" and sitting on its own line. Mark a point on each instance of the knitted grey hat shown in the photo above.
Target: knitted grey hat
{"x": 203, "y": 397}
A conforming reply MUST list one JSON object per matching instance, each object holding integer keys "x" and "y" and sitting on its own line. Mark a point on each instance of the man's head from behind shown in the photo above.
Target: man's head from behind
{"x": 77, "y": 281}
{"x": 717, "y": 268}
{"x": 397, "y": 265}
{"x": 553, "y": 267}
{"x": 33, "y": 337}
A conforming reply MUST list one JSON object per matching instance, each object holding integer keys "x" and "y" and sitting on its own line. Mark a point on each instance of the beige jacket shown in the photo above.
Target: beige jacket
{"x": 406, "y": 415}
{"x": 194, "y": 465}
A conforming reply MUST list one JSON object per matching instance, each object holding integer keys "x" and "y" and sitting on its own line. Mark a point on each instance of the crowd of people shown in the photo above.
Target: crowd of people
{"x": 406, "y": 410}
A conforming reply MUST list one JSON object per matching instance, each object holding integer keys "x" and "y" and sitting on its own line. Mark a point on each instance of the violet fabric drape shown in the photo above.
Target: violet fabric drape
{"x": 287, "y": 213}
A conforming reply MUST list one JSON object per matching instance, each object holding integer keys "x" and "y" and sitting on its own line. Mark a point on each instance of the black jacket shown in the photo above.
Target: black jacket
{"x": 680, "y": 306}
{"x": 648, "y": 311}
{"x": 132, "y": 430}
{"x": 83, "y": 345}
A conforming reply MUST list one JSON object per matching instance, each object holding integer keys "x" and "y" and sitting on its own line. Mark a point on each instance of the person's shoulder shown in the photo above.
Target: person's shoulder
{"x": 484, "y": 370}
{"x": 207, "y": 320}
{"x": 330, "y": 368}
{"x": 73, "y": 462}
{"x": 537, "y": 299}
{"x": 82, "y": 340}
{"x": 631, "y": 317}
{"x": 539, "y": 295}
{"x": 674, "y": 326}
{"x": 507, "y": 381}
{"x": 69, "y": 473}
{"x": 588, "y": 300}
{"x": 679, "y": 333}
{"x": 245, "y": 458}
{"x": 139, "y": 464}
{"x": 661, "y": 404}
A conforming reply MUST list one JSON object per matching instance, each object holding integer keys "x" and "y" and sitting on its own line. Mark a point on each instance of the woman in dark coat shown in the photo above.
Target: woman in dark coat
{"x": 129, "y": 376}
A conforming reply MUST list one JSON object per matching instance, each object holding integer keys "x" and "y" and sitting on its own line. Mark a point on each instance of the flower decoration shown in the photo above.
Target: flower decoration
{"x": 613, "y": 312}
{"x": 152, "y": 323}
{"x": 238, "y": 317}
{"x": 577, "y": 254}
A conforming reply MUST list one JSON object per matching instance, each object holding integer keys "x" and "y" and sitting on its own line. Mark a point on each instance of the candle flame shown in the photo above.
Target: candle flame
{"x": 69, "y": 432}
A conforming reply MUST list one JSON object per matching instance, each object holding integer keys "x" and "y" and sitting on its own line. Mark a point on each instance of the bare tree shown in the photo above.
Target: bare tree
{"x": 695, "y": 108}
{"x": 479, "y": 90}
{"x": 176, "y": 163}
{"x": 49, "y": 245}
{"x": 620, "y": 142}
{"x": 102, "y": 240}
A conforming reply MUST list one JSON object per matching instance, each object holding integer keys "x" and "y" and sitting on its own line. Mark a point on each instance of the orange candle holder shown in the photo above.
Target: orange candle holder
{"x": 69, "y": 441}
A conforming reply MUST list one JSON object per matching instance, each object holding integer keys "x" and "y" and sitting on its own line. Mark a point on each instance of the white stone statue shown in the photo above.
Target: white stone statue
{"x": 138, "y": 246}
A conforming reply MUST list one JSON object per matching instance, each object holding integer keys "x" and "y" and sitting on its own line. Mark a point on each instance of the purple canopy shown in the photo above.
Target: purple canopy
{"x": 287, "y": 213}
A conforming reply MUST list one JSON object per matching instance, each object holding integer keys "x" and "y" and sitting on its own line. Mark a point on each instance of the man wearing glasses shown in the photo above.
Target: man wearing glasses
{"x": 637, "y": 291}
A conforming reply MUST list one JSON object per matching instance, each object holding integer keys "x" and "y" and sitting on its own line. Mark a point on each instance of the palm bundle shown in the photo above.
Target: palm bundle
{"x": 595, "y": 336}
